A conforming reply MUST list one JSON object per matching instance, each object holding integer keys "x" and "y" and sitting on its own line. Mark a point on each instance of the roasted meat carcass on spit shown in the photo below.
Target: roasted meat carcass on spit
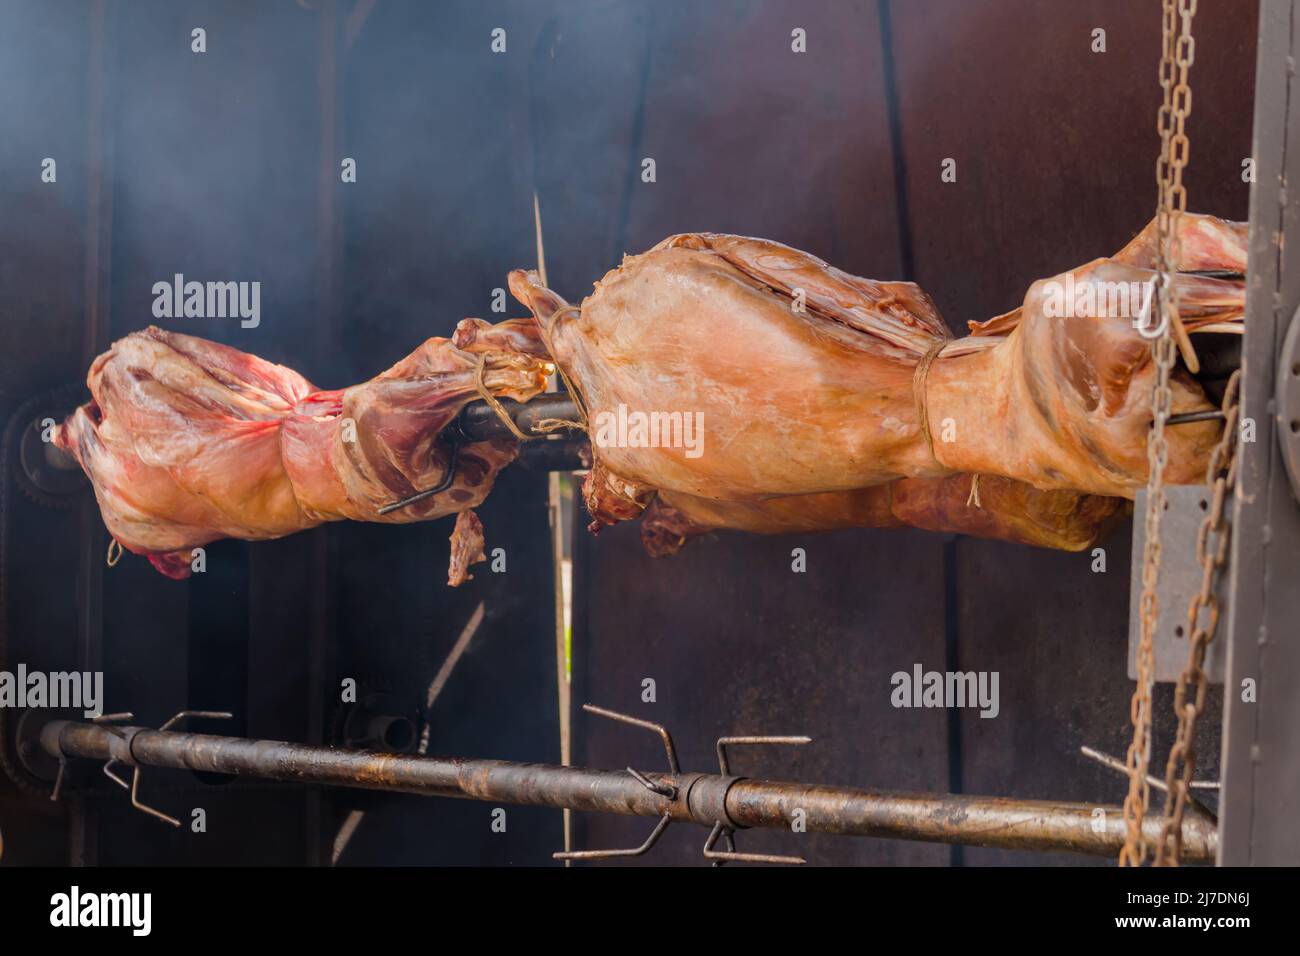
{"x": 1007, "y": 511}
{"x": 187, "y": 441}
{"x": 825, "y": 400}
{"x": 806, "y": 399}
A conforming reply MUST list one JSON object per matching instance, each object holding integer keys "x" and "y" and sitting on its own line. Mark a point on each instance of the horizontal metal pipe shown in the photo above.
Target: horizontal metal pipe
{"x": 556, "y": 454}
{"x": 694, "y": 797}
{"x": 955, "y": 818}
{"x": 518, "y": 783}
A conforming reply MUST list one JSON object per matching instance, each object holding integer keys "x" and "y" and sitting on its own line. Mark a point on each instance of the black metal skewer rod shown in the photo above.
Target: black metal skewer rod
{"x": 702, "y": 798}
{"x": 1184, "y": 418}
{"x": 480, "y": 422}
{"x": 477, "y": 422}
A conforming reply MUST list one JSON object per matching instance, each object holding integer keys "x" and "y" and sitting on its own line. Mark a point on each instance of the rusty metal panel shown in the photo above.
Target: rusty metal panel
{"x": 1180, "y": 580}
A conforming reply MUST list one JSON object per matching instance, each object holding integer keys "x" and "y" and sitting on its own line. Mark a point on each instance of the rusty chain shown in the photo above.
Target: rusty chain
{"x": 1178, "y": 52}
{"x": 1221, "y": 476}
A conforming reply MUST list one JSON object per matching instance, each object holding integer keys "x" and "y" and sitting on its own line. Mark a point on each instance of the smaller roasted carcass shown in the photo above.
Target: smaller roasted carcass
{"x": 187, "y": 441}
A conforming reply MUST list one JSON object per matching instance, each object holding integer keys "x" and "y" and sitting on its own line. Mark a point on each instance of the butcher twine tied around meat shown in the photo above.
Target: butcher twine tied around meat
{"x": 545, "y": 426}
{"x": 920, "y": 377}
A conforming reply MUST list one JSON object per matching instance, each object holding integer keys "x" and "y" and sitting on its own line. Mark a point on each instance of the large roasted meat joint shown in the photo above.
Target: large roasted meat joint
{"x": 824, "y": 400}
{"x": 766, "y": 391}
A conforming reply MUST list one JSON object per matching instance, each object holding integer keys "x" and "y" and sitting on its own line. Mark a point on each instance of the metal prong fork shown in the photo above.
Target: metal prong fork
{"x": 729, "y": 855}
{"x": 667, "y": 791}
{"x": 134, "y": 786}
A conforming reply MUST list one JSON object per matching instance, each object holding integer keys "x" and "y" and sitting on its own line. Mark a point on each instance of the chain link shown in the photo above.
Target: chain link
{"x": 1178, "y": 52}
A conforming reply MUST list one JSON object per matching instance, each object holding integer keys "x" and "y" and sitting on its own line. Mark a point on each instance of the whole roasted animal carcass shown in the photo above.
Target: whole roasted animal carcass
{"x": 796, "y": 398}
{"x": 187, "y": 441}
{"x": 738, "y": 383}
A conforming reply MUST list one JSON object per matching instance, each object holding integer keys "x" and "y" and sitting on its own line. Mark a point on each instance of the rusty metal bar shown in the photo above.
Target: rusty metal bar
{"x": 951, "y": 818}
{"x": 704, "y": 799}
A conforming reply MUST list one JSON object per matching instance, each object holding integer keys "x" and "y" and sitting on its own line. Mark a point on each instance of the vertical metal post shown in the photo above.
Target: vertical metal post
{"x": 83, "y": 840}
{"x": 1261, "y": 741}
{"x": 321, "y": 635}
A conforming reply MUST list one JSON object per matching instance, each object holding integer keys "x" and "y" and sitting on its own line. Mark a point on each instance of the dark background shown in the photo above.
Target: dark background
{"x": 225, "y": 165}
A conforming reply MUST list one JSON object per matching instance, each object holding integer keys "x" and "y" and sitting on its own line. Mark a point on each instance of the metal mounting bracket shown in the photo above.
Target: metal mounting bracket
{"x": 1180, "y": 579}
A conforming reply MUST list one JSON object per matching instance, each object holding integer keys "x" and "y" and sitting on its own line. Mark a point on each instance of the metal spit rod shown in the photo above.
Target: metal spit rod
{"x": 707, "y": 799}
{"x": 477, "y": 422}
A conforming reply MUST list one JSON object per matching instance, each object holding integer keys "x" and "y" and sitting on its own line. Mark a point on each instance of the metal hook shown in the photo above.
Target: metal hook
{"x": 731, "y": 856}
{"x": 105, "y": 720}
{"x": 644, "y": 848}
{"x": 58, "y": 780}
{"x": 725, "y": 742}
{"x": 447, "y": 481}
{"x": 1114, "y": 763}
{"x": 182, "y": 715}
{"x": 663, "y": 789}
{"x": 659, "y": 729}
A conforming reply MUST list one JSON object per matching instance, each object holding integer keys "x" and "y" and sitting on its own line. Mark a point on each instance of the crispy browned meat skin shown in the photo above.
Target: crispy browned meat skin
{"x": 1007, "y": 511}
{"x": 805, "y": 378}
{"x": 187, "y": 441}
{"x": 1065, "y": 402}
{"x": 1205, "y": 243}
{"x": 672, "y": 519}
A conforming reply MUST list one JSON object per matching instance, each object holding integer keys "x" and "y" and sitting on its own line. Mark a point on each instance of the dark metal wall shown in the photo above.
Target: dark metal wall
{"x": 838, "y": 151}
{"x": 226, "y": 165}
{"x": 1062, "y": 150}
